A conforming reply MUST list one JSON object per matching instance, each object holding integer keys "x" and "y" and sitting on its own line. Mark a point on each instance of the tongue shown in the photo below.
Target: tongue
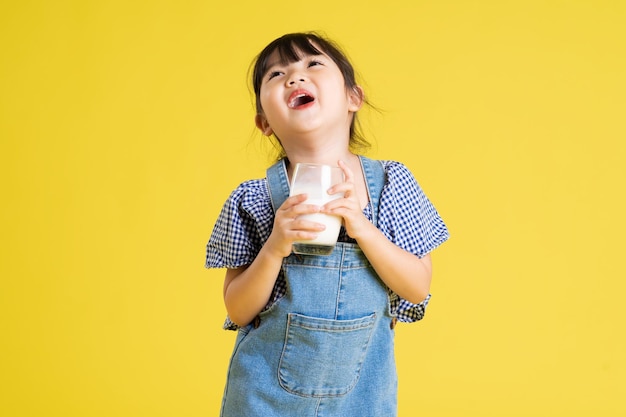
{"x": 301, "y": 101}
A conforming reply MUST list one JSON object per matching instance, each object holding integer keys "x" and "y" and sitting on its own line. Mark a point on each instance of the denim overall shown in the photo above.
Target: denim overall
{"x": 325, "y": 348}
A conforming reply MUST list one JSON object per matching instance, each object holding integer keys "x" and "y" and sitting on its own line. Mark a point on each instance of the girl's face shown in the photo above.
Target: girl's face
{"x": 306, "y": 96}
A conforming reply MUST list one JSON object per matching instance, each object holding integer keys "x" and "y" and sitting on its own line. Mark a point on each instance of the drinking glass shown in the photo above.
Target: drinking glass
{"x": 315, "y": 180}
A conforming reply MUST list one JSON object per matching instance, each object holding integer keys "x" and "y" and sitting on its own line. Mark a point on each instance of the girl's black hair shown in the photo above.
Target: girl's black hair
{"x": 291, "y": 48}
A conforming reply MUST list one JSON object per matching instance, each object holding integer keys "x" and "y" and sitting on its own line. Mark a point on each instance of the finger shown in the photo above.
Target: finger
{"x": 293, "y": 200}
{"x": 343, "y": 204}
{"x": 347, "y": 172}
{"x": 299, "y": 209}
{"x": 347, "y": 186}
{"x": 294, "y": 205}
{"x": 305, "y": 225}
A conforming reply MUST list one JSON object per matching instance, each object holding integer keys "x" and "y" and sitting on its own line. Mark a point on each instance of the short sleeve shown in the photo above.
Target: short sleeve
{"x": 407, "y": 217}
{"x": 242, "y": 227}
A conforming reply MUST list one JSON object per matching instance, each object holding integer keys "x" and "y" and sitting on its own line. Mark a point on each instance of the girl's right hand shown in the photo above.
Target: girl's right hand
{"x": 288, "y": 227}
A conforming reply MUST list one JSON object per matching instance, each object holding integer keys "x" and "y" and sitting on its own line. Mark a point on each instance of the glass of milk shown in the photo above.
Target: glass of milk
{"x": 314, "y": 180}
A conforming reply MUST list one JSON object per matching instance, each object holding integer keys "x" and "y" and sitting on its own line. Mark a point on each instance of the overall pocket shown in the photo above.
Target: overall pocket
{"x": 323, "y": 357}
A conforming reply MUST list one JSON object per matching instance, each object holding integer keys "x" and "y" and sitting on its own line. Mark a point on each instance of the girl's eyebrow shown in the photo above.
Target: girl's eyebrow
{"x": 281, "y": 63}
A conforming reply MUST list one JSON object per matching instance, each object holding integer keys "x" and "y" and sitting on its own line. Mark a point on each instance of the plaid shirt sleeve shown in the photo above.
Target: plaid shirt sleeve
{"x": 409, "y": 219}
{"x": 242, "y": 226}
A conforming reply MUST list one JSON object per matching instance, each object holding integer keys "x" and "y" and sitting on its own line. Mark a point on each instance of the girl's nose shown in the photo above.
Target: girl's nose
{"x": 292, "y": 80}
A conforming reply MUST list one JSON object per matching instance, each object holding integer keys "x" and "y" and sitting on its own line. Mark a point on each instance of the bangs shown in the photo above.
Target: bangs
{"x": 293, "y": 50}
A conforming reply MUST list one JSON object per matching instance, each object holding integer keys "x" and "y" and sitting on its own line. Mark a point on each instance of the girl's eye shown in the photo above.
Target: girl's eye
{"x": 274, "y": 74}
{"x": 314, "y": 63}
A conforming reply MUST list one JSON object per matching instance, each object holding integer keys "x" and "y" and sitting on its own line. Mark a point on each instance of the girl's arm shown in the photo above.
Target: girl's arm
{"x": 247, "y": 289}
{"x": 404, "y": 273}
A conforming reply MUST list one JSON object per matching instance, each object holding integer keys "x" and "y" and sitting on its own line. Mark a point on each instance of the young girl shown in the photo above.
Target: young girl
{"x": 315, "y": 333}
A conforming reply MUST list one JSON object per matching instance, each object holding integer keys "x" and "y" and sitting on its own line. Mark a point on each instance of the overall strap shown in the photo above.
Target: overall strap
{"x": 375, "y": 179}
{"x": 278, "y": 183}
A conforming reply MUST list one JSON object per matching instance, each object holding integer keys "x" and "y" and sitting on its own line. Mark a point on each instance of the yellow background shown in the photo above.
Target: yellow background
{"x": 124, "y": 125}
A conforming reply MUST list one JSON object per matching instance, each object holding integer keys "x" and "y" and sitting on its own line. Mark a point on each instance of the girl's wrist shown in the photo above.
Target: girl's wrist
{"x": 273, "y": 253}
{"x": 365, "y": 233}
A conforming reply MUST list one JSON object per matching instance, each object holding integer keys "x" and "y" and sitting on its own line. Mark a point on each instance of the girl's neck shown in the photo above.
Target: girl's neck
{"x": 326, "y": 158}
{"x": 318, "y": 152}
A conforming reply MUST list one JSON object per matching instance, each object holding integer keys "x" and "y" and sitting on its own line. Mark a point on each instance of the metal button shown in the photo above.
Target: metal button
{"x": 392, "y": 325}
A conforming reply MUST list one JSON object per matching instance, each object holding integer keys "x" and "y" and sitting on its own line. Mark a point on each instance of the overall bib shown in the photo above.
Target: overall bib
{"x": 325, "y": 349}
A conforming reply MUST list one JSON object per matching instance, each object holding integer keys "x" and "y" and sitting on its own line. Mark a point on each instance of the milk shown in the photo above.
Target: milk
{"x": 325, "y": 241}
{"x": 317, "y": 194}
{"x": 327, "y": 236}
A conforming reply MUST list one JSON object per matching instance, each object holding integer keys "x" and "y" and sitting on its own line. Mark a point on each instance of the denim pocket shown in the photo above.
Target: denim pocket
{"x": 323, "y": 357}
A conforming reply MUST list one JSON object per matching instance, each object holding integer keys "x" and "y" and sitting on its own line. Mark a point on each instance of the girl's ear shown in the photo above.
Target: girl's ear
{"x": 356, "y": 97}
{"x": 263, "y": 125}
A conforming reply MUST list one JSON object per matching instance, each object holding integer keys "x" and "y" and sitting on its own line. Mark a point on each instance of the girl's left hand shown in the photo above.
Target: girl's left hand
{"x": 348, "y": 207}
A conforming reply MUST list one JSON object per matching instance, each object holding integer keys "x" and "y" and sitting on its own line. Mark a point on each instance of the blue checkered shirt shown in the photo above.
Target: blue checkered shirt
{"x": 406, "y": 217}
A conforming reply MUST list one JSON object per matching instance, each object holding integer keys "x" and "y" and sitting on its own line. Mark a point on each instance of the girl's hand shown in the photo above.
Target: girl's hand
{"x": 289, "y": 228}
{"x": 348, "y": 207}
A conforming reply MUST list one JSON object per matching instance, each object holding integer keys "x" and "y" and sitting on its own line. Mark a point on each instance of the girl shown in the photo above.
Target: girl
{"x": 315, "y": 333}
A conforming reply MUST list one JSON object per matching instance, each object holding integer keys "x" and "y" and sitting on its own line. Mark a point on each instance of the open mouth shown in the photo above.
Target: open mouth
{"x": 300, "y": 99}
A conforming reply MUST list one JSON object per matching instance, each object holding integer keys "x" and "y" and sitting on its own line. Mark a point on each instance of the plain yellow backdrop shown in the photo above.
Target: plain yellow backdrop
{"x": 124, "y": 125}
